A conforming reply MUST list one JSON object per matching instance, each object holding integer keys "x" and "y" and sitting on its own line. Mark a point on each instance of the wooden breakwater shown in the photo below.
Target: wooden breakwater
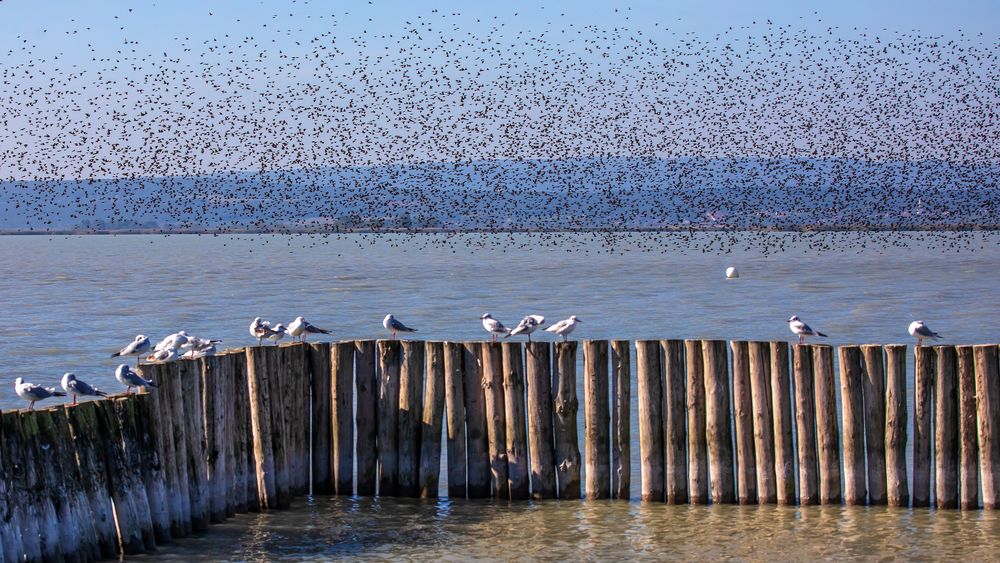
{"x": 718, "y": 422}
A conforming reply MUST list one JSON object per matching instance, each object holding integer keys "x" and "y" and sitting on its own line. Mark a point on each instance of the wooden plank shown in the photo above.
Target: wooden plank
{"x": 38, "y": 499}
{"x": 538, "y": 375}
{"x": 805, "y": 424}
{"x": 746, "y": 456}
{"x": 189, "y": 372}
{"x": 214, "y": 414}
{"x": 390, "y": 358}
{"x": 896, "y": 418}
{"x": 433, "y": 414}
{"x": 496, "y": 423}
{"x": 827, "y": 434}
{"x": 127, "y": 513}
{"x": 621, "y": 447}
{"x": 946, "y": 446}
{"x": 10, "y": 497}
{"x": 718, "y": 421}
{"x": 260, "y": 417}
{"x": 763, "y": 425}
{"x": 151, "y": 469}
{"x": 454, "y": 399}
{"x": 852, "y": 403}
{"x": 651, "y": 455}
{"x": 180, "y": 523}
{"x": 411, "y": 392}
{"x": 321, "y": 377}
{"x": 477, "y": 439}
{"x": 514, "y": 414}
{"x": 697, "y": 446}
{"x": 341, "y": 417}
{"x": 53, "y": 486}
{"x": 174, "y": 387}
{"x": 366, "y": 386}
{"x": 968, "y": 440}
{"x": 781, "y": 413}
{"x": 127, "y": 419}
{"x": 597, "y": 440}
{"x": 988, "y": 417}
{"x": 566, "y": 405}
{"x": 19, "y": 478}
{"x": 923, "y": 400}
{"x": 674, "y": 420}
{"x": 874, "y": 393}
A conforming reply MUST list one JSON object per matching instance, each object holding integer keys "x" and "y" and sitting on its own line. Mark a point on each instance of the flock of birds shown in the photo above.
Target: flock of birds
{"x": 170, "y": 348}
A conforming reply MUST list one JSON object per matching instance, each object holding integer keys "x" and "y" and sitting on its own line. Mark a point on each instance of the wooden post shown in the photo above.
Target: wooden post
{"x": 621, "y": 392}
{"x": 163, "y": 406}
{"x": 411, "y": 389}
{"x": 988, "y": 417}
{"x": 852, "y": 402}
{"x": 123, "y": 412}
{"x": 388, "y": 417}
{"x": 19, "y": 469}
{"x": 566, "y": 405}
{"x": 151, "y": 468}
{"x": 189, "y": 372}
{"x": 805, "y": 424}
{"x": 341, "y": 416}
{"x": 228, "y": 396}
{"x": 923, "y": 399}
{"x": 697, "y": 447}
{"x": 514, "y": 413}
{"x": 454, "y": 398}
{"x": 81, "y": 514}
{"x": 321, "y": 377}
{"x": 781, "y": 413}
{"x": 35, "y": 468}
{"x": 875, "y": 410}
{"x": 496, "y": 424}
{"x": 718, "y": 421}
{"x": 597, "y": 449}
{"x": 760, "y": 390}
{"x": 477, "y": 439}
{"x": 674, "y": 415}
{"x": 214, "y": 404}
{"x": 174, "y": 389}
{"x": 127, "y": 513}
{"x": 828, "y": 436}
{"x": 55, "y": 473}
{"x": 897, "y": 482}
{"x": 248, "y": 498}
{"x": 967, "y": 428}
{"x": 433, "y": 413}
{"x": 538, "y": 372}
{"x": 647, "y": 361}
{"x": 294, "y": 372}
{"x": 946, "y": 428}
{"x": 279, "y": 383}
{"x": 14, "y": 548}
{"x": 260, "y": 417}
{"x": 746, "y": 457}
{"x": 366, "y": 384}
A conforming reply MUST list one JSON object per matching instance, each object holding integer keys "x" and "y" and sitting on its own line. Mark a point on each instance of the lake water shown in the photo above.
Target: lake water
{"x": 71, "y": 301}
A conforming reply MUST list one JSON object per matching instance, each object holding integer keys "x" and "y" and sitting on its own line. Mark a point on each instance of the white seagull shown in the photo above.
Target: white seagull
{"x": 199, "y": 353}
{"x": 130, "y": 379}
{"x": 493, "y": 326}
{"x": 163, "y": 356}
{"x": 390, "y": 323}
{"x": 277, "y": 333}
{"x": 801, "y": 329}
{"x": 138, "y": 347}
{"x": 300, "y": 328}
{"x": 172, "y": 342}
{"x": 31, "y": 392}
{"x": 195, "y": 344}
{"x": 527, "y": 325}
{"x": 75, "y": 387}
{"x": 921, "y": 331}
{"x": 564, "y": 327}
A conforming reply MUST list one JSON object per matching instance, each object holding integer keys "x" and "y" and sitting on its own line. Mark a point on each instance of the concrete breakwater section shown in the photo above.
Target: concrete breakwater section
{"x": 718, "y": 422}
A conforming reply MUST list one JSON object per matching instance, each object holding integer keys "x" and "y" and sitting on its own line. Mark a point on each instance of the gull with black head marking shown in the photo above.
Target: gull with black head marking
{"x": 392, "y": 324}
{"x": 138, "y": 347}
{"x": 801, "y": 329}
{"x": 564, "y": 327}
{"x": 34, "y": 393}
{"x": 300, "y": 328}
{"x": 129, "y": 378}
{"x": 527, "y": 325}
{"x": 493, "y": 326}
{"x": 921, "y": 331}
{"x": 75, "y": 387}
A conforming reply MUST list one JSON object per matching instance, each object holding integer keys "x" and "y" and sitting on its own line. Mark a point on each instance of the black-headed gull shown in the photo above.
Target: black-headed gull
{"x": 172, "y": 342}
{"x": 564, "y": 327}
{"x": 75, "y": 387}
{"x": 127, "y": 377}
{"x": 138, "y": 347}
{"x": 32, "y": 393}
{"x": 921, "y": 331}
{"x": 493, "y": 326}
{"x": 801, "y": 329}
{"x": 277, "y": 333}
{"x": 163, "y": 356}
{"x": 527, "y": 325}
{"x": 390, "y": 323}
{"x": 195, "y": 344}
{"x": 300, "y": 328}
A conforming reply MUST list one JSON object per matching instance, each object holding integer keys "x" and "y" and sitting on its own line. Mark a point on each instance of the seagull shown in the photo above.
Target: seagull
{"x": 527, "y": 325}
{"x": 921, "y": 331}
{"x": 75, "y": 387}
{"x": 564, "y": 327}
{"x": 194, "y": 343}
{"x": 802, "y": 329}
{"x": 31, "y": 392}
{"x": 493, "y": 326}
{"x": 277, "y": 333}
{"x": 196, "y": 353}
{"x": 172, "y": 342}
{"x": 138, "y": 347}
{"x": 259, "y": 329}
{"x": 301, "y": 328}
{"x": 390, "y": 323}
{"x": 130, "y": 379}
{"x": 163, "y": 356}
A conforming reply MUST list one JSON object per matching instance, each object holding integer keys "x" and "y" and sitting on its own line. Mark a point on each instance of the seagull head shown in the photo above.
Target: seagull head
{"x": 122, "y": 370}
{"x": 140, "y": 337}
{"x": 793, "y": 319}
{"x": 486, "y": 316}
{"x": 299, "y": 320}
{"x": 67, "y": 377}
{"x": 389, "y": 317}
{"x": 920, "y": 323}
{"x": 574, "y": 319}
{"x": 18, "y": 381}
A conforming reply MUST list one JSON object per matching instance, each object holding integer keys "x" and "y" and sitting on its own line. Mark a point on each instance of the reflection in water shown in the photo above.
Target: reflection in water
{"x": 362, "y": 528}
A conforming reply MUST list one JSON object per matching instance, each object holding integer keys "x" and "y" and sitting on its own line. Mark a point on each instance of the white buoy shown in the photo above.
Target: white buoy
{"x": 732, "y": 273}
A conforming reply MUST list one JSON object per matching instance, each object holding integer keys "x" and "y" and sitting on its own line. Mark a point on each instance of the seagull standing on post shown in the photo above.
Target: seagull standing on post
{"x": 801, "y": 329}
{"x": 300, "y": 328}
{"x": 390, "y": 323}
{"x": 921, "y": 331}
{"x": 75, "y": 387}
{"x": 527, "y": 325}
{"x": 138, "y": 347}
{"x": 130, "y": 379}
{"x": 564, "y": 327}
{"x": 493, "y": 326}
{"x": 33, "y": 393}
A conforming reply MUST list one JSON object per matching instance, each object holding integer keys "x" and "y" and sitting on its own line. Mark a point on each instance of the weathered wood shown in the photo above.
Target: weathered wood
{"x": 321, "y": 377}
{"x": 341, "y": 417}
{"x": 805, "y": 424}
{"x": 150, "y": 468}
{"x": 697, "y": 447}
{"x": 621, "y": 393}
{"x": 229, "y": 398}
{"x": 969, "y": 442}
{"x": 496, "y": 424}
{"x": 852, "y": 407}
{"x": 124, "y": 411}
{"x": 127, "y": 514}
{"x": 294, "y": 377}
{"x": 20, "y": 479}
{"x": 180, "y": 522}
{"x": 923, "y": 401}
{"x": 566, "y": 405}
{"x": 896, "y": 417}
{"x": 718, "y": 421}
{"x": 651, "y": 454}
{"x": 390, "y": 359}
{"x": 477, "y": 438}
{"x": 597, "y": 440}
{"x": 38, "y": 500}
{"x": 514, "y": 414}
{"x": 433, "y": 413}
{"x": 988, "y": 418}
{"x": 763, "y": 425}
{"x": 189, "y": 371}
{"x": 14, "y": 548}
{"x": 946, "y": 446}
{"x": 746, "y": 456}
{"x": 247, "y": 496}
{"x": 875, "y": 409}
{"x": 781, "y": 416}
{"x": 827, "y": 434}
{"x": 411, "y": 386}
{"x": 174, "y": 390}
{"x": 55, "y": 476}
{"x": 454, "y": 398}
{"x": 260, "y": 416}
{"x": 213, "y": 406}
{"x": 674, "y": 416}
{"x": 366, "y": 385}
{"x": 538, "y": 375}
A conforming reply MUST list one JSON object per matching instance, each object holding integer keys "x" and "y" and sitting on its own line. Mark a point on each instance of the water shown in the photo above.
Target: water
{"x": 71, "y": 301}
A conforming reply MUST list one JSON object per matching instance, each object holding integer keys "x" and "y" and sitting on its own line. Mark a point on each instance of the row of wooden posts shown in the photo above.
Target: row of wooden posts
{"x": 249, "y": 430}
